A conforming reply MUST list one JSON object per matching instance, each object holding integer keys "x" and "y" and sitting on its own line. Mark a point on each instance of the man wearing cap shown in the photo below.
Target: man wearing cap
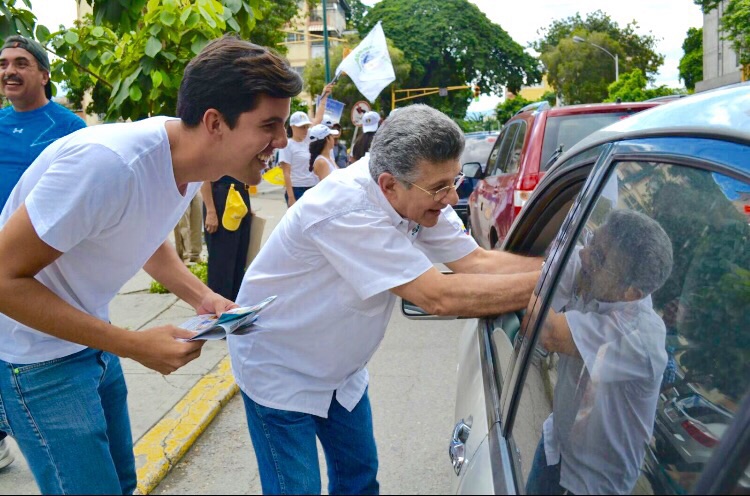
{"x": 92, "y": 210}
{"x": 294, "y": 159}
{"x": 32, "y": 121}
{"x": 28, "y": 125}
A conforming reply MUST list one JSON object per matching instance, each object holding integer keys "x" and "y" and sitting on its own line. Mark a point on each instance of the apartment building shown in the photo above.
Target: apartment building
{"x": 721, "y": 64}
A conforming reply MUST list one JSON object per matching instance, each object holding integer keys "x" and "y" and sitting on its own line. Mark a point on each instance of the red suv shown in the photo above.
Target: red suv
{"x": 528, "y": 144}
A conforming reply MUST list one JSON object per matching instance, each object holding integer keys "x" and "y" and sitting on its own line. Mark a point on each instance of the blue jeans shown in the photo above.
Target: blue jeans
{"x": 70, "y": 419}
{"x": 284, "y": 444}
{"x": 543, "y": 478}
{"x": 298, "y": 192}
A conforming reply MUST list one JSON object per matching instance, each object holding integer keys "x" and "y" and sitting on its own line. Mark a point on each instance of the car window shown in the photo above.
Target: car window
{"x": 503, "y": 151}
{"x": 514, "y": 155}
{"x": 567, "y": 130}
{"x": 643, "y": 348}
{"x": 477, "y": 149}
{"x": 742, "y": 486}
{"x": 492, "y": 159}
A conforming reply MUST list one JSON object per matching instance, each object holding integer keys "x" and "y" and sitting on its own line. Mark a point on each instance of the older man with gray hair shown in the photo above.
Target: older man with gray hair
{"x": 337, "y": 261}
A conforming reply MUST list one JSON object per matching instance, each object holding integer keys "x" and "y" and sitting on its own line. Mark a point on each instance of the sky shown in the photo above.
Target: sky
{"x": 667, "y": 20}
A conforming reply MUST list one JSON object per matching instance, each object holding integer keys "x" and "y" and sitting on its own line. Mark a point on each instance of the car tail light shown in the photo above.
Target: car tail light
{"x": 700, "y": 434}
{"x": 522, "y": 195}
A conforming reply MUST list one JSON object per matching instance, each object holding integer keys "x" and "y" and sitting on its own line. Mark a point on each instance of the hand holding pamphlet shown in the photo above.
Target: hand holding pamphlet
{"x": 237, "y": 321}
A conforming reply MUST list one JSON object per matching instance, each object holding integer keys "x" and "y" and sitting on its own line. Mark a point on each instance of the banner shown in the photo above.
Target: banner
{"x": 369, "y": 65}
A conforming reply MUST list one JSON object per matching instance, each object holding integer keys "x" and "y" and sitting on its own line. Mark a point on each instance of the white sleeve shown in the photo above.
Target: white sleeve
{"x": 285, "y": 155}
{"x": 368, "y": 251}
{"x": 83, "y": 192}
{"x": 447, "y": 241}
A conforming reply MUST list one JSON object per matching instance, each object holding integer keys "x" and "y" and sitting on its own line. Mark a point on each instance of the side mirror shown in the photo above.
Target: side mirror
{"x": 472, "y": 170}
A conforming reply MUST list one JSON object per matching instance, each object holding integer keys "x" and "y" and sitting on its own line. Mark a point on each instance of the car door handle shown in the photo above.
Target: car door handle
{"x": 457, "y": 448}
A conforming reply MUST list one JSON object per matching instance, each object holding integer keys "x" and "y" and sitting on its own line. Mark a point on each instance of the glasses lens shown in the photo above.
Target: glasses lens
{"x": 442, "y": 193}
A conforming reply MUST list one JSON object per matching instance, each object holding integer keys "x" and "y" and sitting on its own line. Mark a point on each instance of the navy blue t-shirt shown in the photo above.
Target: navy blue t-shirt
{"x": 24, "y": 135}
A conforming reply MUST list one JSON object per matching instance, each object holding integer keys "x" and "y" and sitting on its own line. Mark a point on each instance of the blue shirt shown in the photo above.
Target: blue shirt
{"x": 24, "y": 135}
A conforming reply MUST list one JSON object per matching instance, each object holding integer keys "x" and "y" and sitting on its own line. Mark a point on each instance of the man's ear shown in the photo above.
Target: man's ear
{"x": 214, "y": 123}
{"x": 388, "y": 184}
{"x": 633, "y": 294}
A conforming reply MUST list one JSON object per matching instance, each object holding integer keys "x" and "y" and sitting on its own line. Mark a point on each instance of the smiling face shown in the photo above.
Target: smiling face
{"x": 246, "y": 149}
{"x": 22, "y": 81}
{"x": 417, "y": 204}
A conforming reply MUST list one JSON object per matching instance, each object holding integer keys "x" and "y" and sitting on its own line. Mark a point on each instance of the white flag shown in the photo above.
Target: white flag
{"x": 369, "y": 65}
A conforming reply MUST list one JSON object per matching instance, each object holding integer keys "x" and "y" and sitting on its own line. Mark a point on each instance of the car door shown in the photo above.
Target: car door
{"x": 491, "y": 191}
{"x": 479, "y": 454}
{"x": 631, "y": 366}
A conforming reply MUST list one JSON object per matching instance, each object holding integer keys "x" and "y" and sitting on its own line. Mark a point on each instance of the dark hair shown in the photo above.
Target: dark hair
{"x": 362, "y": 145}
{"x": 228, "y": 75}
{"x": 315, "y": 148}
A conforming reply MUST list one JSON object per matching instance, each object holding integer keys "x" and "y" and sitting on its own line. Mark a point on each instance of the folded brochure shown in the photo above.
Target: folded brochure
{"x": 236, "y": 321}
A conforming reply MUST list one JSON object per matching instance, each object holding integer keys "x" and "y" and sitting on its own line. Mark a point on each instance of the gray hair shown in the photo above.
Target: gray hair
{"x": 644, "y": 247}
{"x": 414, "y": 134}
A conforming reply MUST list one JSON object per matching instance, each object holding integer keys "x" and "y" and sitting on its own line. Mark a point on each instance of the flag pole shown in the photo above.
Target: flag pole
{"x": 325, "y": 41}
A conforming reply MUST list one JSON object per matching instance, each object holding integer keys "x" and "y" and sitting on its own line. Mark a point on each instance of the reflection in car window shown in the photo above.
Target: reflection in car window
{"x": 648, "y": 334}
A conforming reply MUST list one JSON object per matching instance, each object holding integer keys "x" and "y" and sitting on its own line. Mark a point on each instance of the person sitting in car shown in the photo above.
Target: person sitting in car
{"x": 611, "y": 345}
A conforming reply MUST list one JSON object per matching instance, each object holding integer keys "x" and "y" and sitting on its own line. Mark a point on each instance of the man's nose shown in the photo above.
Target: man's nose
{"x": 451, "y": 198}
{"x": 280, "y": 141}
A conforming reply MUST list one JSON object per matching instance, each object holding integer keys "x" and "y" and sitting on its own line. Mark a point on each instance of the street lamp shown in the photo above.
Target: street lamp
{"x": 578, "y": 39}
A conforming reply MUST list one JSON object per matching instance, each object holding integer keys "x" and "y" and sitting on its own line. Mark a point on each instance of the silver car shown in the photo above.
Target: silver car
{"x": 636, "y": 342}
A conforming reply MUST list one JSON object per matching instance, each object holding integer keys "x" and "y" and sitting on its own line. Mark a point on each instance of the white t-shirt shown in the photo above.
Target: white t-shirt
{"x": 106, "y": 198}
{"x": 332, "y": 261}
{"x": 605, "y": 401}
{"x": 297, "y": 155}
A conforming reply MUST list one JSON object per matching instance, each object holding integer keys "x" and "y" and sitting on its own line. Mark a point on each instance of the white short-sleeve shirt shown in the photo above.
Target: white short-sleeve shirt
{"x": 332, "y": 261}
{"x": 105, "y": 197}
{"x": 297, "y": 155}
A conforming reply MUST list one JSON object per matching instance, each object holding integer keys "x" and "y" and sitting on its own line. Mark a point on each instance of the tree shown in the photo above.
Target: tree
{"x": 16, "y": 20}
{"x": 507, "y": 109}
{"x": 581, "y": 72}
{"x": 346, "y": 91}
{"x": 452, "y": 43}
{"x": 691, "y": 64}
{"x": 132, "y": 54}
{"x": 632, "y": 88}
{"x": 735, "y": 22}
{"x": 357, "y": 15}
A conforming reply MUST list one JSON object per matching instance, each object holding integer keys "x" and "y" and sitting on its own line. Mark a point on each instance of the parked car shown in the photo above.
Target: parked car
{"x": 649, "y": 394}
{"x": 477, "y": 149}
{"x": 528, "y": 144}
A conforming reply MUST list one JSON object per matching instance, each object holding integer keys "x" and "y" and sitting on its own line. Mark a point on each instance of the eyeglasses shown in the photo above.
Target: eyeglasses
{"x": 441, "y": 194}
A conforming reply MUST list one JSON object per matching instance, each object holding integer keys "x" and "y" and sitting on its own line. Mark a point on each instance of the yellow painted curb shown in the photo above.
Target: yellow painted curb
{"x": 162, "y": 447}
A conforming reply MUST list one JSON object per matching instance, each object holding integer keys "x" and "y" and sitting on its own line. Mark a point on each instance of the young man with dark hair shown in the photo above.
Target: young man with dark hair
{"x": 28, "y": 125}
{"x": 93, "y": 209}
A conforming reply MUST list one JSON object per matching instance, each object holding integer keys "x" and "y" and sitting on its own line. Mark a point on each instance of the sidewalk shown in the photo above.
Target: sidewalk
{"x": 167, "y": 413}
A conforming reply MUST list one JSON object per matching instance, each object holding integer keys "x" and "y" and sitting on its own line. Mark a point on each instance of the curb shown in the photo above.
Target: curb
{"x": 159, "y": 450}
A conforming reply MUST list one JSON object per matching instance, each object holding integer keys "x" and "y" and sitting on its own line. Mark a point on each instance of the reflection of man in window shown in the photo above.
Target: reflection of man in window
{"x": 612, "y": 357}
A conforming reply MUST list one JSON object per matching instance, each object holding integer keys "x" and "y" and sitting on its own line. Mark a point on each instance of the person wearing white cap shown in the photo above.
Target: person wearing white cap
{"x": 294, "y": 159}
{"x": 321, "y": 145}
{"x": 370, "y": 124}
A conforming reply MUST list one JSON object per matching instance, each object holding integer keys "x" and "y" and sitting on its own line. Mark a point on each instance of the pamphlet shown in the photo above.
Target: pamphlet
{"x": 237, "y": 321}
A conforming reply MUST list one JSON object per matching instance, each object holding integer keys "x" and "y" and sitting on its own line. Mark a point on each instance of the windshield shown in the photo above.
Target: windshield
{"x": 567, "y": 130}
{"x": 477, "y": 149}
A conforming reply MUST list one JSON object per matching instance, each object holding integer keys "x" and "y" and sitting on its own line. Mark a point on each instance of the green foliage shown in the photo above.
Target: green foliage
{"x": 15, "y": 19}
{"x": 200, "y": 270}
{"x": 632, "y": 88}
{"x": 735, "y": 24}
{"x": 707, "y": 5}
{"x": 691, "y": 63}
{"x": 356, "y": 17}
{"x": 509, "y": 107}
{"x": 452, "y": 43}
{"x": 581, "y": 72}
{"x": 345, "y": 90}
{"x": 477, "y": 122}
{"x": 132, "y": 55}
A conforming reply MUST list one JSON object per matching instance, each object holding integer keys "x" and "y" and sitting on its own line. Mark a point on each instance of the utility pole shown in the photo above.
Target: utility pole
{"x": 325, "y": 41}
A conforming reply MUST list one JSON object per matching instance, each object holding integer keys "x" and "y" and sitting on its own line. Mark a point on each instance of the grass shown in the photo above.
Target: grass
{"x": 200, "y": 270}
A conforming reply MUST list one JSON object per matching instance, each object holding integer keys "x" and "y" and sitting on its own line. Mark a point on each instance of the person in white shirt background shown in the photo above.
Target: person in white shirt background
{"x": 294, "y": 159}
{"x": 321, "y": 139}
{"x": 337, "y": 261}
{"x": 370, "y": 124}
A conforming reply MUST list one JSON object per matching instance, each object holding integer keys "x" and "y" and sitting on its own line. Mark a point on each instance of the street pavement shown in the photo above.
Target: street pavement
{"x": 412, "y": 394}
